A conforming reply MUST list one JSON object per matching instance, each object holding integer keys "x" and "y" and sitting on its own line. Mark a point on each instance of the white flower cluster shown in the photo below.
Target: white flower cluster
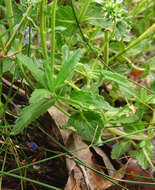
{"x": 112, "y": 9}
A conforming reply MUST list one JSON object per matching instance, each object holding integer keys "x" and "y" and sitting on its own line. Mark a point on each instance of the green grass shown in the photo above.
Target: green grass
{"x": 89, "y": 56}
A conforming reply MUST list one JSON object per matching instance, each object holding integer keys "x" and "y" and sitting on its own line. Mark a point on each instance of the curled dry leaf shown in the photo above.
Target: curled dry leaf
{"x": 106, "y": 160}
{"x": 59, "y": 117}
{"x": 61, "y": 120}
{"x": 86, "y": 178}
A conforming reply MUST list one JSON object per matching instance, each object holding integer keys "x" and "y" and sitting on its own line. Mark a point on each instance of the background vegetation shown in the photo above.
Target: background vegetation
{"x": 94, "y": 60}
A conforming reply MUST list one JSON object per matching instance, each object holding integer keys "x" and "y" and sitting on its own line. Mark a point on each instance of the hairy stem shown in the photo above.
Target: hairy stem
{"x": 43, "y": 29}
{"x": 53, "y": 16}
{"x": 9, "y": 12}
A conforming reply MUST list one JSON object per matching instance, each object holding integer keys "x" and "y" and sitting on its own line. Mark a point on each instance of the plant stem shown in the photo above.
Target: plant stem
{"x": 148, "y": 32}
{"x": 62, "y": 110}
{"x": 84, "y": 10}
{"x": 53, "y": 16}
{"x": 120, "y": 133}
{"x": 3, "y": 164}
{"x": 148, "y": 159}
{"x": 130, "y": 63}
{"x": 23, "y": 22}
{"x": 9, "y": 12}
{"x": 78, "y": 161}
{"x": 29, "y": 180}
{"x": 72, "y": 85}
{"x": 138, "y": 8}
{"x": 66, "y": 106}
{"x": 16, "y": 157}
{"x": 15, "y": 31}
{"x": 106, "y": 49}
{"x": 42, "y": 29}
{"x": 103, "y": 48}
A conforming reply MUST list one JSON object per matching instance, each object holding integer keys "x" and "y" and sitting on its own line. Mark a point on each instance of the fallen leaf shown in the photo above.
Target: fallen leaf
{"x": 86, "y": 177}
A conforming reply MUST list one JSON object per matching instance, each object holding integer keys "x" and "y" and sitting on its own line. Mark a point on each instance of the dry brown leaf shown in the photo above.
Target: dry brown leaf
{"x": 87, "y": 178}
{"x": 59, "y": 117}
{"x": 106, "y": 160}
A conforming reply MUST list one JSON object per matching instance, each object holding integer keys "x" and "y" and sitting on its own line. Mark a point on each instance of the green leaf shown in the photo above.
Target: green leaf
{"x": 88, "y": 124}
{"x": 65, "y": 52}
{"x": 66, "y": 69}
{"x": 95, "y": 16}
{"x": 139, "y": 153}
{"x": 36, "y": 72}
{"x": 122, "y": 31}
{"x": 140, "y": 47}
{"x": 48, "y": 77}
{"x": 39, "y": 94}
{"x": 120, "y": 148}
{"x": 138, "y": 125}
{"x": 90, "y": 100}
{"x": 151, "y": 62}
{"x": 120, "y": 80}
{"x": 36, "y": 108}
{"x": 129, "y": 119}
{"x": 143, "y": 95}
{"x": 65, "y": 18}
{"x": 151, "y": 99}
{"x": 8, "y": 66}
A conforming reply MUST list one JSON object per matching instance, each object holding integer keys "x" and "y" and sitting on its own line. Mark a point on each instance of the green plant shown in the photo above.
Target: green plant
{"x": 104, "y": 57}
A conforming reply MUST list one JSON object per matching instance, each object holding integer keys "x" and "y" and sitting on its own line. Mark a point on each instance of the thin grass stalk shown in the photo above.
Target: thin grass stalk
{"x": 7, "y": 100}
{"x": 130, "y": 63}
{"x": 148, "y": 159}
{"x": 73, "y": 151}
{"x": 21, "y": 35}
{"x": 9, "y": 12}
{"x": 53, "y": 17}
{"x": 84, "y": 10}
{"x": 2, "y": 42}
{"x": 15, "y": 154}
{"x": 3, "y": 164}
{"x": 29, "y": 180}
{"x": 112, "y": 179}
{"x": 29, "y": 44}
{"x": 19, "y": 47}
{"x": 43, "y": 29}
{"x": 6, "y": 32}
{"x": 23, "y": 22}
{"x": 147, "y": 33}
{"x": 77, "y": 160}
{"x": 138, "y": 8}
{"x": 8, "y": 44}
{"x": 43, "y": 160}
{"x": 1, "y": 74}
